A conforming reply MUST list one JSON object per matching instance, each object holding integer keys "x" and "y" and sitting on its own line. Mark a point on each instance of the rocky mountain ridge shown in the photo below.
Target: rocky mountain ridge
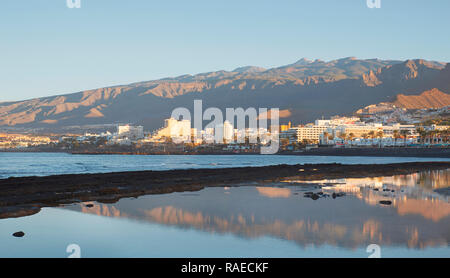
{"x": 307, "y": 89}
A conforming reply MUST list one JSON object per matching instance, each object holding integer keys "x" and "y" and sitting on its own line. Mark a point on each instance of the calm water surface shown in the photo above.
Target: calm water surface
{"x": 255, "y": 220}
{"x": 42, "y": 164}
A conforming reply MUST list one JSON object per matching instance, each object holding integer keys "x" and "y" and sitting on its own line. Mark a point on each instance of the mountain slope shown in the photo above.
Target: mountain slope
{"x": 428, "y": 99}
{"x": 308, "y": 89}
{"x": 411, "y": 75}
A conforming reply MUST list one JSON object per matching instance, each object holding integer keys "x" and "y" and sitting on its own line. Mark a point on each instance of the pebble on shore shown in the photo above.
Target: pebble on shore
{"x": 19, "y": 234}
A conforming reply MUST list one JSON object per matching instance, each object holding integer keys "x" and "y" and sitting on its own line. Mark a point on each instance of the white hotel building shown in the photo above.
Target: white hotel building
{"x": 309, "y": 133}
{"x": 174, "y": 129}
{"x": 313, "y": 132}
{"x": 130, "y": 132}
{"x": 337, "y": 126}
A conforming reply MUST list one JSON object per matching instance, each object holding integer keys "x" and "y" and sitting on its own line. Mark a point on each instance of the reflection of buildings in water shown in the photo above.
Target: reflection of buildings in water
{"x": 413, "y": 194}
{"x": 427, "y": 180}
{"x": 274, "y": 192}
{"x": 413, "y": 237}
{"x": 371, "y": 230}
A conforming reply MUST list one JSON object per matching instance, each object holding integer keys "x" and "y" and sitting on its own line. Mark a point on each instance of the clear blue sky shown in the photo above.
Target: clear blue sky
{"x": 47, "y": 48}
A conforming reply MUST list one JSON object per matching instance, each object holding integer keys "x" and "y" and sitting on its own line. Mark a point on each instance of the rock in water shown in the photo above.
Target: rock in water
{"x": 386, "y": 203}
{"x": 312, "y": 195}
{"x": 89, "y": 205}
{"x": 339, "y": 194}
{"x": 19, "y": 234}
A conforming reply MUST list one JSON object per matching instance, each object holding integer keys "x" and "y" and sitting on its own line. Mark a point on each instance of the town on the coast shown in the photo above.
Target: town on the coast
{"x": 376, "y": 126}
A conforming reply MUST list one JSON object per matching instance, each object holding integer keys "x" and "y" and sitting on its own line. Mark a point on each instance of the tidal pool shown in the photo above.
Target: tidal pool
{"x": 254, "y": 220}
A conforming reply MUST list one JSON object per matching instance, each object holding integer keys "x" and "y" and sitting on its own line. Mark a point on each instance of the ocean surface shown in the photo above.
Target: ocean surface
{"x": 43, "y": 164}
{"x": 255, "y": 220}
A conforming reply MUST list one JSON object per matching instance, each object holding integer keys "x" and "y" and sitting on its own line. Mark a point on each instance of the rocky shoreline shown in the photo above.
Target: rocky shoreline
{"x": 27, "y": 195}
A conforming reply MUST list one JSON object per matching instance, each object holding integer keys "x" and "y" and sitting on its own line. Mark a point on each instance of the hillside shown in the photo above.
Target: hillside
{"x": 307, "y": 89}
{"x": 429, "y": 99}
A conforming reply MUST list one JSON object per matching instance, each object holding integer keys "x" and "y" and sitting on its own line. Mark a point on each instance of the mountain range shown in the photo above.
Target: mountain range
{"x": 304, "y": 91}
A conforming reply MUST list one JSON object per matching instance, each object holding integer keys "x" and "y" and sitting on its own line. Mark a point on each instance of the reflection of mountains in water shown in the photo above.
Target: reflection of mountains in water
{"x": 252, "y": 212}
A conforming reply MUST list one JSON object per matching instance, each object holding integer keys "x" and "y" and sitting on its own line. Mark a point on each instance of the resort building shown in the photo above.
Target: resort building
{"x": 392, "y": 130}
{"x": 358, "y": 130}
{"x": 228, "y": 131}
{"x": 309, "y": 133}
{"x": 175, "y": 129}
{"x": 130, "y": 132}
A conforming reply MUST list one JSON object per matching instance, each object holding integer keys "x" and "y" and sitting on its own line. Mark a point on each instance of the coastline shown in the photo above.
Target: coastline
{"x": 368, "y": 152}
{"x": 434, "y": 152}
{"x": 27, "y": 195}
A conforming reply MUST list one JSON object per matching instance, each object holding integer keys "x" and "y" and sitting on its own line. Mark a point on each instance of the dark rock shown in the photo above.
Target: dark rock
{"x": 19, "y": 234}
{"x": 89, "y": 205}
{"x": 376, "y": 189}
{"x": 386, "y": 202}
{"x": 308, "y": 194}
{"x": 339, "y": 194}
{"x": 315, "y": 197}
